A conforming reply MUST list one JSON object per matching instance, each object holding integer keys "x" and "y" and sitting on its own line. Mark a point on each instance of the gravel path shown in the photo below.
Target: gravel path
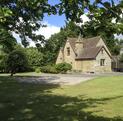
{"x": 55, "y": 79}
{"x": 63, "y": 79}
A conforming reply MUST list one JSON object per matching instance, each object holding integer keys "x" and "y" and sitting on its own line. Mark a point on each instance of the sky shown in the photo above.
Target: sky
{"x": 54, "y": 23}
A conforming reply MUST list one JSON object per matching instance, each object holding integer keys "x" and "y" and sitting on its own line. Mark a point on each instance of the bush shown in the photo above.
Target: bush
{"x": 49, "y": 69}
{"x": 37, "y": 70}
{"x": 16, "y": 62}
{"x": 63, "y": 67}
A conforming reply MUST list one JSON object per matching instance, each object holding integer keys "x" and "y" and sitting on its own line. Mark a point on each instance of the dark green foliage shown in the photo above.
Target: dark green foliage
{"x": 35, "y": 58}
{"x": 16, "y": 61}
{"x": 23, "y": 17}
{"x": 49, "y": 69}
{"x": 121, "y": 58}
{"x": 59, "y": 68}
{"x": 73, "y": 9}
{"x": 3, "y": 63}
{"x": 7, "y": 41}
{"x": 63, "y": 67}
{"x": 116, "y": 50}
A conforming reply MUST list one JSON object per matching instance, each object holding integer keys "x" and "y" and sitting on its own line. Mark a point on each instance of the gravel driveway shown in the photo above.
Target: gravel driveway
{"x": 62, "y": 79}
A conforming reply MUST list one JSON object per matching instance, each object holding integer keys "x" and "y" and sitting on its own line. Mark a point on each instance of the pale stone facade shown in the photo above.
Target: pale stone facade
{"x": 86, "y": 55}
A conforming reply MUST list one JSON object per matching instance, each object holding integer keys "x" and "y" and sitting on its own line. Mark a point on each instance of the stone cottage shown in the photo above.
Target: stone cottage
{"x": 86, "y": 54}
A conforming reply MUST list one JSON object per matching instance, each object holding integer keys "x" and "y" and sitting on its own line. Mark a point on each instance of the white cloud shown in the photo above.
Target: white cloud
{"x": 48, "y": 31}
{"x": 16, "y": 36}
{"x": 84, "y": 18}
{"x": 45, "y": 31}
{"x": 119, "y": 36}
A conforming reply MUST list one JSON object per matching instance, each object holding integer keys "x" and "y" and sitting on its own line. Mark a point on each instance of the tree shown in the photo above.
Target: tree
{"x": 73, "y": 9}
{"x": 7, "y": 41}
{"x": 24, "y": 17}
{"x": 3, "y": 58}
{"x": 35, "y": 58}
{"x": 16, "y": 61}
{"x": 7, "y": 44}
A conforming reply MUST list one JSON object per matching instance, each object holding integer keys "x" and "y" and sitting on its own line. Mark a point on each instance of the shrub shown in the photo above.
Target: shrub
{"x": 16, "y": 61}
{"x": 49, "y": 69}
{"x": 63, "y": 67}
{"x": 37, "y": 70}
{"x": 53, "y": 70}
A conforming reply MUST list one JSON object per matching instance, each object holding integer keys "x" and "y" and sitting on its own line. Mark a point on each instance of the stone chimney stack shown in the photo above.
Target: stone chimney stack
{"x": 79, "y": 45}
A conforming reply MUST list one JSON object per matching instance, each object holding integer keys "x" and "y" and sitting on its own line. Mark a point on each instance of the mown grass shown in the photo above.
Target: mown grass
{"x": 100, "y": 99}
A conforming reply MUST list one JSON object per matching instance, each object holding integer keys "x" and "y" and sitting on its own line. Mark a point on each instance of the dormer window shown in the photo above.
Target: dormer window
{"x": 68, "y": 51}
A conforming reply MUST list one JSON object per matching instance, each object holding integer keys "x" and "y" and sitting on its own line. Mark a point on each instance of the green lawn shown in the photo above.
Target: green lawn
{"x": 100, "y": 99}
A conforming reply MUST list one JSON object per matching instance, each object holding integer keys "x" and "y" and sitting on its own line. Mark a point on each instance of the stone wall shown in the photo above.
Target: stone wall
{"x": 71, "y": 58}
{"x": 107, "y": 65}
{"x": 60, "y": 57}
{"x": 63, "y": 57}
{"x": 85, "y": 65}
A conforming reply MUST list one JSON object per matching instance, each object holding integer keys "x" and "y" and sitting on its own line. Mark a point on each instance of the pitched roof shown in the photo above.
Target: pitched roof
{"x": 90, "y": 50}
{"x": 89, "y": 53}
{"x": 88, "y": 42}
{"x": 91, "y": 42}
{"x": 72, "y": 42}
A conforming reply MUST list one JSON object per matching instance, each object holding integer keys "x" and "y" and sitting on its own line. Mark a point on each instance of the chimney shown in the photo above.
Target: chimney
{"x": 79, "y": 46}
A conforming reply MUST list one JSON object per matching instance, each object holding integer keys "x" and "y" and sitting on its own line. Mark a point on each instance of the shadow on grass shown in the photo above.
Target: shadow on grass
{"x": 29, "y": 102}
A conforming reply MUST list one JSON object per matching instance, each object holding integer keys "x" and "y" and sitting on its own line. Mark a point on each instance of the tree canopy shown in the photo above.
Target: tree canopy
{"x": 24, "y": 17}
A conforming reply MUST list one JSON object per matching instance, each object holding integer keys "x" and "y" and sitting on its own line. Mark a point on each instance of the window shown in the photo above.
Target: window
{"x": 102, "y": 62}
{"x": 68, "y": 51}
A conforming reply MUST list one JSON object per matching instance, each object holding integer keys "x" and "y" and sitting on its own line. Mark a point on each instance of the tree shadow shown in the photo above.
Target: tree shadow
{"x": 30, "y": 102}
{"x": 38, "y": 80}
